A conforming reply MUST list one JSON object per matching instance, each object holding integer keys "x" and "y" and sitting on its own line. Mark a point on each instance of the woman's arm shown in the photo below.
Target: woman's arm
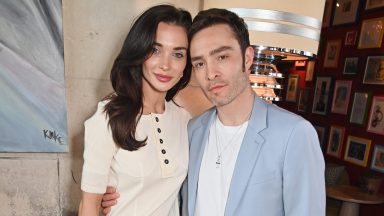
{"x": 90, "y": 204}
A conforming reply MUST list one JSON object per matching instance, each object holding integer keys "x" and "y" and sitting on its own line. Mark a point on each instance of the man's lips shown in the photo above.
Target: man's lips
{"x": 215, "y": 88}
{"x": 163, "y": 78}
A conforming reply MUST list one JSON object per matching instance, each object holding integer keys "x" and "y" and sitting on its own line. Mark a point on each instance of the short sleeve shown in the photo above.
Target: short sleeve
{"x": 99, "y": 149}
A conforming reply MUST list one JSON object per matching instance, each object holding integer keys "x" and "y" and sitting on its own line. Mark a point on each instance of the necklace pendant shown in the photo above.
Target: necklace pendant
{"x": 218, "y": 162}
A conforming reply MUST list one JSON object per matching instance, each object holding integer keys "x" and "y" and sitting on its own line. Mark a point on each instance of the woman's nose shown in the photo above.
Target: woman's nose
{"x": 165, "y": 63}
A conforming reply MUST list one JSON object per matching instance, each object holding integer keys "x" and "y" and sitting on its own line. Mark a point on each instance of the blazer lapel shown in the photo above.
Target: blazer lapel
{"x": 248, "y": 155}
{"x": 196, "y": 151}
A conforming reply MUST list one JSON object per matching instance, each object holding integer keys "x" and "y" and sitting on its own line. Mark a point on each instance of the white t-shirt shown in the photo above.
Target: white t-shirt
{"x": 215, "y": 179}
{"x": 148, "y": 179}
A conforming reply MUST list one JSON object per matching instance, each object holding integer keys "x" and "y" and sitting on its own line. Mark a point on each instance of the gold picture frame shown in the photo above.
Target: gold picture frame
{"x": 371, "y": 34}
{"x": 357, "y": 150}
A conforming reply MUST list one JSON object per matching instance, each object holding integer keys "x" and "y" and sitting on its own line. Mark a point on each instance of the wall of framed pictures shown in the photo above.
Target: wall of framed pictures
{"x": 342, "y": 95}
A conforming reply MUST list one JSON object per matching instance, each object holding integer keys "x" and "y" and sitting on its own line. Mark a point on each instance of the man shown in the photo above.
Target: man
{"x": 247, "y": 157}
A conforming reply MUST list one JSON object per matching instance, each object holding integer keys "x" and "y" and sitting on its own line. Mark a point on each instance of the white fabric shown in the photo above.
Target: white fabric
{"x": 147, "y": 185}
{"x": 215, "y": 179}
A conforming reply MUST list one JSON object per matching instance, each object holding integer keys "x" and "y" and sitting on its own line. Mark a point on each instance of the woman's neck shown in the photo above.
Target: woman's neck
{"x": 153, "y": 106}
{"x": 153, "y": 101}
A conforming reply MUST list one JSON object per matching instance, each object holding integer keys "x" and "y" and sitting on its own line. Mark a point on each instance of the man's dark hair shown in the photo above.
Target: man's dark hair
{"x": 215, "y": 16}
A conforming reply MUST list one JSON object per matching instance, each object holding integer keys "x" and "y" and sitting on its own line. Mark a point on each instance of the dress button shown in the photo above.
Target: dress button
{"x": 166, "y": 161}
{"x": 157, "y": 119}
{"x": 163, "y": 151}
{"x": 158, "y": 130}
{"x": 161, "y": 141}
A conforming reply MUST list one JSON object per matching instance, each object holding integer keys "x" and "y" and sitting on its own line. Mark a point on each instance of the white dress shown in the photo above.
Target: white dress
{"x": 148, "y": 179}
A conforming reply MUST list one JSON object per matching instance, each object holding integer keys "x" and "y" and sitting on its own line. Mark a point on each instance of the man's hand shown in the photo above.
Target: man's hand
{"x": 109, "y": 199}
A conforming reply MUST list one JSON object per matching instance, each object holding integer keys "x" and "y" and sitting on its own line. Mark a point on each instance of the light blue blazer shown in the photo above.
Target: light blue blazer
{"x": 279, "y": 170}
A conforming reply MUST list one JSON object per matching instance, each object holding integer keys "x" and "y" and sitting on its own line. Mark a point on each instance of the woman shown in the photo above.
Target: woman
{"x": 137, "y": 139}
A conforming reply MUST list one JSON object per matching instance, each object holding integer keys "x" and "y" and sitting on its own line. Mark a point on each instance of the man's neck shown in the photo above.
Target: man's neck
{"x": 239, "y": 110}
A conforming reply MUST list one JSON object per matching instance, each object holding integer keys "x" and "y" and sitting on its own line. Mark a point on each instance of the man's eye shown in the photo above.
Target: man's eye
{"x": 222, "y": 57}
{"x": 198, "y": 65}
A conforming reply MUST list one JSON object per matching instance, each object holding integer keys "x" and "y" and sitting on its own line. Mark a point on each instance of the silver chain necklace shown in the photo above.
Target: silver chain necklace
{"x": 219, "y": 153}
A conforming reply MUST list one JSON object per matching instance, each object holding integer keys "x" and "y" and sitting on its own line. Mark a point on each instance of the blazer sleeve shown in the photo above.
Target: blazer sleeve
{"x": 303, "y": 173}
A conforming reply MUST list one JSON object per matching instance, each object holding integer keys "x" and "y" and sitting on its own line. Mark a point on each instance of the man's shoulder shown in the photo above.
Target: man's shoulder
{"x": 197, "y": 120}
{"x": 278, "y": 112}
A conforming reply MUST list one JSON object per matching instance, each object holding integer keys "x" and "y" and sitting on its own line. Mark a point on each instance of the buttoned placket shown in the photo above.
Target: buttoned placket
{"x": 166, "y": 164}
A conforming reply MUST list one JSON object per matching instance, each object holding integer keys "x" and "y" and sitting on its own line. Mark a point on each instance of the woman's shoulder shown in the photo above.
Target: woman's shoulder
{"x": 99, "y": 114}
{"x": 176, "y": 109}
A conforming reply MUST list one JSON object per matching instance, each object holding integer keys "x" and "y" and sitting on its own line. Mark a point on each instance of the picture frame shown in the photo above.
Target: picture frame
{"x": 300, "y": 63}
{"x": 309, "y": 70}
{"x": 346, "y": 12}
{"x": 335, "y": 141}
{"x": 327, "y": 13}
{"x": 377, "y": 163}
{"x": 374, "y": 70}
{"x": 341, "y": 95}
{"x": 320, "y": 130}
{"x": 292, "y": 87}
{"x": 350, "y": 38}
{"x": 357, "y": 150}
{"x": 332, "y": 54}
{"x": 321, "y": 96}
{"x": 376, "y": 116}
{"x": 371, "y": 4}
{"x": 302, "y": 105}
{"x": 360, "y": 107}
{"x": 371, "y": 34}
{"x": 351, "y": 65}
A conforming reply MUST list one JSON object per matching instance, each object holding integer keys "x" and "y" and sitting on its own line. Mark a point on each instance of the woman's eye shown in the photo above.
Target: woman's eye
{"x": 155, "y": 50}
{"x": 179, "y": 55}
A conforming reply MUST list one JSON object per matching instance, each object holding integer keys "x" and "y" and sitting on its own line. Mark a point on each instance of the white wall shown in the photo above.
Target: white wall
{"x": 49, "y": 184}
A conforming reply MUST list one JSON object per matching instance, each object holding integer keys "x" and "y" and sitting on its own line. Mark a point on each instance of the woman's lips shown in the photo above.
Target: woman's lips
{"x": 163, "y": 78}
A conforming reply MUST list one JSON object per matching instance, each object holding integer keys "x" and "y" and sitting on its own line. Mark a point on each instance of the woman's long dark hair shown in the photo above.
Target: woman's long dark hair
{"x": 125, "y": 106}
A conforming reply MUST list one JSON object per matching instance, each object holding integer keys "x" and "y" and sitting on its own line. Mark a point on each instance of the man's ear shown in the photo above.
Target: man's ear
{"x": 248, "y": 58}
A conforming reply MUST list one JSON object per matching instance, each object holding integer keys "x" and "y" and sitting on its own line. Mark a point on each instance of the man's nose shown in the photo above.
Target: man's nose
{"x": 212, "y": 72}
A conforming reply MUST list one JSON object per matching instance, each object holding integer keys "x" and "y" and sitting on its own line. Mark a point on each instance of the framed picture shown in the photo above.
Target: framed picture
{"x": 300, "y": 63}
{"x": 309, "y": 70}
{"x": 327, "y": 13}
{"x": 302, "y": 106}
{"x": 320, "y": 133}
{"x": 371, "y": 34}
{"x": 335, "y": 141}
{"x": 292, "y": 87}
{"x": 341, "y": 96}
{"x": 350, "y": 65}
{"x": 378, "y": 158}
{"x": 332, "y": 53}
{"x": 376, "y": 121}
{"x": 350, "y": 38}
{"x": 374, "y": 70}
{"x": 357, "y": 150}
{"x": 320, "y": 100}
{"x": 346, "y": 12}
{"x": 359, "y": 110}
{"x": 374, "y": 4}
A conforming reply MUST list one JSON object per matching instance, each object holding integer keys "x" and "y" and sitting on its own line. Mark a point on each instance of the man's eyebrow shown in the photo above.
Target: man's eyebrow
{"x": 220, "y": 49}
{"x": 196, "y": 58}
{"x": 175, "y": 48}
{"x": 213, "y": 52}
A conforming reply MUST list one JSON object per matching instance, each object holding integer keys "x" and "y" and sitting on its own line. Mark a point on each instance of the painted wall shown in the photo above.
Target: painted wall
{"x": 49, "y": 184}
